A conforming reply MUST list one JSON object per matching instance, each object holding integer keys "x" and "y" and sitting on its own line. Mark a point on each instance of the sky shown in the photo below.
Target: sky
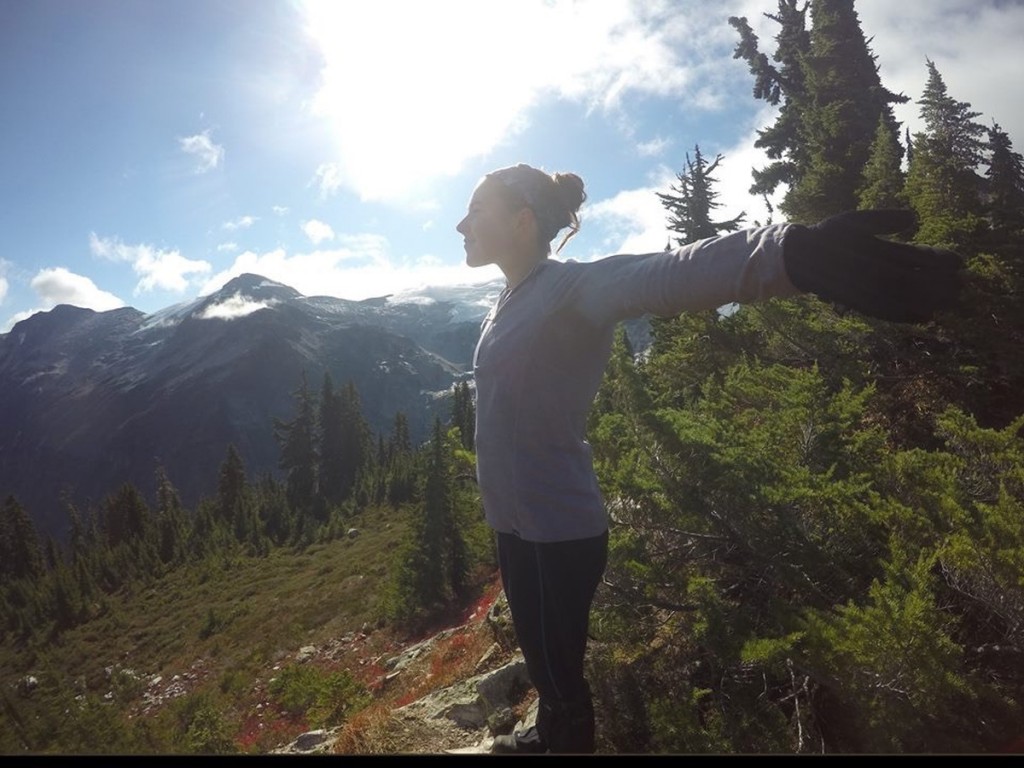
{"x": 151, "y": 150}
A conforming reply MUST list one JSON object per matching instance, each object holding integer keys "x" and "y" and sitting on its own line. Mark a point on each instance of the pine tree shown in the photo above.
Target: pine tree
{"x": 883, "y": 176}
{"x": 126, "y": 516}
{"x": 693, "y": 200}
{"x": 464, "y": 413}
{"x": 435, "y": 529}
{"x": 399, "y": 466}
{"x": 234, "y": 503}
{"x": 942, "y": 183}
{"x": 834, "y": 101}
{"x": 78, "y": 530}
{"x": 21, "y": 554}
{"x": 399, "y": 442}
{"x": 331, "y": 440}
{"x": 170, "y": 517}
{"x": 1005, "y": 188}
{"x": 299, "y": 460}
{"x": 355, "y": 440}
{"x": 276, "y": 516}
{"x": 846, "y": 104}
{"x": 783, "y": 141}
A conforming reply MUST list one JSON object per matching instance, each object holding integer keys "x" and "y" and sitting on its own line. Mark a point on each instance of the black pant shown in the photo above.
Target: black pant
{"x": 550, "y": 587}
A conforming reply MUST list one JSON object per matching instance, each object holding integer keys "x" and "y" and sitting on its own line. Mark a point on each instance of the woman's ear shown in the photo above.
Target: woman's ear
{"x": 526, "y": 224}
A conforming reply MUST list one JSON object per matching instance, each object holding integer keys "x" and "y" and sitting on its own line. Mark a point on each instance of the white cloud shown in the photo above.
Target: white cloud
{"x": 17, "y": 317}
{"x": 734, "y": 176}
{"x": 327, "y": 179}
{"x": 227, "y": 247}
{"x": 361, "y": 267}
{"x": 396, "y": 126}
{"x": 58, "y": 285}
{"x": 635, "y": 221}
{"x": 632, "y": 221}
{"x": 201, "y": 147}
{"x": 975, "y": 44}
{"x": 317, "y": 231}
{"x": 167, "y": 270}
{"x": 232, "y": 308}
{"x": 3, "y": 281}
{"x": 279, "y": 210}
{"x": 242, "y": 222}
{"x": 654, "y": 147}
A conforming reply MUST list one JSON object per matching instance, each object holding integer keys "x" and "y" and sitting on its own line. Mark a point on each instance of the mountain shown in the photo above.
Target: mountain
{"x": 96, "y": 399}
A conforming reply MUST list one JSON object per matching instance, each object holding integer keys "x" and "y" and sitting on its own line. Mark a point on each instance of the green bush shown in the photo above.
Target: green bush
{"x": 322, "y": 698}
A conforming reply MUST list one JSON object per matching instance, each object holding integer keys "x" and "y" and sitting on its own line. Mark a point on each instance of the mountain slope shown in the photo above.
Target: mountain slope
{"x": 93, "y": 400}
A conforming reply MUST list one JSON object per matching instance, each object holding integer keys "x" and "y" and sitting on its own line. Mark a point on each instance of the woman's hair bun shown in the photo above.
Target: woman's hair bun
{"x": 569, "y": 190}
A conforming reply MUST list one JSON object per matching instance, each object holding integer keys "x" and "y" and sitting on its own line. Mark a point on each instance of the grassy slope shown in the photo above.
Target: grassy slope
{"x": 224, "y": 630}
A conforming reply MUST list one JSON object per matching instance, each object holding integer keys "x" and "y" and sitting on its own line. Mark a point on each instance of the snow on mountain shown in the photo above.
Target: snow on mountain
{"x": 96, "y": 399}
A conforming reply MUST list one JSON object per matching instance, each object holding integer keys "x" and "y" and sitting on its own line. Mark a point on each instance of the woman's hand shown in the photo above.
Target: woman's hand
{"x": 843, "y": 260}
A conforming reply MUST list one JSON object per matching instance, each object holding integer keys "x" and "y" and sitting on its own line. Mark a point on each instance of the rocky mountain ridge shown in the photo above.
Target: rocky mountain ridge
{"x": 93, "y": 400}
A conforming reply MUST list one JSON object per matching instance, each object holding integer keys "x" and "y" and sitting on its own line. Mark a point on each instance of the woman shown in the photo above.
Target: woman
{"x": 541, "y": 357}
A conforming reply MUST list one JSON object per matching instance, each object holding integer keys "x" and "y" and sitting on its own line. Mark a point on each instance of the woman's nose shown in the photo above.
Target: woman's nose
{"x": 461, "y": 226}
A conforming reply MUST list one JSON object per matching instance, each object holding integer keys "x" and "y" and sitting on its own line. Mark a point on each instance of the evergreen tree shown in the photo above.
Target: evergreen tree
{"x": 693, "y": 200}
{"x": 783, "y": 141}
{"x": 942, "y": 182}
{"x": 834, "y": 101}
{"x": 52, "y": 556}
{"x": 277, "y": 517}
{"x": 690, "y": 216}
{"x": 355, "y": 439}
{"x": 435, "y": 529}
{"x": 846, "y": 104}
{"x": 126, "y": 516}
{"x": 399, "y": 442}
{"x": 171, "y": 521}
{"x": 299, "y": 460}
{"x": 68, "y": 604}
{"x": 777, "y": 497}
{"x": 883, "y": 176}
{"x": 400, "y": 467}
{"x": 435, "y": 563}
{"x": 234, "y": 503}
{"x": 21, "y": 554}
{"x": 1005, "y": 188}
{"x": 464, "y": 413}
{"x": 78, "y": 530}
{"x": 332, "y": 473}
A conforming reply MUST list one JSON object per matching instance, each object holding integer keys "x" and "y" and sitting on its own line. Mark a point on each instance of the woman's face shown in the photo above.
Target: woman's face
{"x": 492, "y": 233}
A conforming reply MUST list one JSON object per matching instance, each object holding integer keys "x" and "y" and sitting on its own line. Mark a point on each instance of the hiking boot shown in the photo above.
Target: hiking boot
{"x": 526, "y": 742}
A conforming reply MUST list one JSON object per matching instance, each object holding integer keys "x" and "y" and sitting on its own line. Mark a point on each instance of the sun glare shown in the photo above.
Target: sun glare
{"x": 413, "y": 89}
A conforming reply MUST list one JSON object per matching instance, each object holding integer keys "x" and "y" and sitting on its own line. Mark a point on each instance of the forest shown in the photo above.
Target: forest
{"x": 817, "y": 519}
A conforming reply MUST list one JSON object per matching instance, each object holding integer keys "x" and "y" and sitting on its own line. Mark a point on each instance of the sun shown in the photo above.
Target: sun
{"x": 411, "y": 90}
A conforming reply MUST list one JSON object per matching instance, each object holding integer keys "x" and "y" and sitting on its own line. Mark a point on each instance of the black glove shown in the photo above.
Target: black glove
{"x": 842, "y": 260}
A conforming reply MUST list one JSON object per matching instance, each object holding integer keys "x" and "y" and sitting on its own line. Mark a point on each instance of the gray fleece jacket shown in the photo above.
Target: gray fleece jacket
{"x": 541, "y": 357}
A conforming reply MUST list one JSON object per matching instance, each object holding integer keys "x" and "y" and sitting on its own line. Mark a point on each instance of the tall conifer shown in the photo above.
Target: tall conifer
{"x": 832, "y": 102}
{"x": 943, "y": 185}
{"x": 330, "y": 437}
{"x": 779, "y": 84}
{"x": 298, "y": 458}
{"x": 170, "y": 519}
{"x": 355, "y": 439}
{"x": 883, "y": 175}
{"x": 21, "y": 554}
{"x": 1005, "y": 188}
{"x": 693, "y": 200}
